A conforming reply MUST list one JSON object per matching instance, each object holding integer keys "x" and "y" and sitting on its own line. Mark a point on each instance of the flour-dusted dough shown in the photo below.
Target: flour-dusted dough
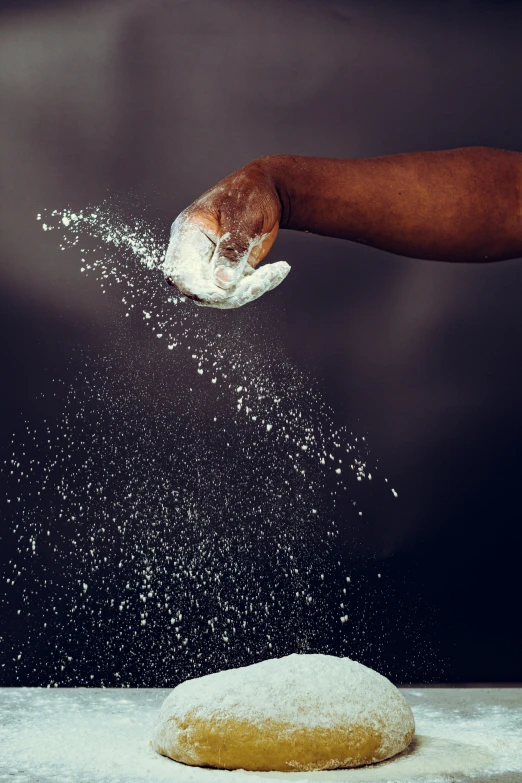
{"x": 298, "y": 713}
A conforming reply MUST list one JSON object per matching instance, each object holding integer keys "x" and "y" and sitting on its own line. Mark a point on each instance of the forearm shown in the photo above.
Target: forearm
{"x": 453, "y": 205}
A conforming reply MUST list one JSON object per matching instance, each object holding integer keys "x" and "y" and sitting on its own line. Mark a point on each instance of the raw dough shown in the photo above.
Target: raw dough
{"x": 298, "y": 713}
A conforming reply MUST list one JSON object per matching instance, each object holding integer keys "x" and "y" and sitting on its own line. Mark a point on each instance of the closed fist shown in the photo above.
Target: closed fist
{"x": 218, "y": 241}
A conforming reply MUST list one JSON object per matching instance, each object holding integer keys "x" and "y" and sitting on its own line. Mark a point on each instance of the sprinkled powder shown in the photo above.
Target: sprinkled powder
{"x": 165, "y": 546}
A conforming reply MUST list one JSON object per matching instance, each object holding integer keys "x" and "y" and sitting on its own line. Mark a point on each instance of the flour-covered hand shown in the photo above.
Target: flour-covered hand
{"x": 217, "y": 242}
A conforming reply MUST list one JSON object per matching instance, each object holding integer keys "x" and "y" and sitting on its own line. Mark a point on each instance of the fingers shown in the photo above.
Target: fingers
{"x": 252, "y": 286}
{"x": 216, "y": 270}
{"x": 235, "y": 252}
{"x": 247, "y": 224}
{"x": 230, "y": 259}
{"x": 187, "y": 261}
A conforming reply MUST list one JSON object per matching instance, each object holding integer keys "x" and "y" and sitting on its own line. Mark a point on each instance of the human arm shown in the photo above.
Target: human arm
{"x": 458, "y": 205}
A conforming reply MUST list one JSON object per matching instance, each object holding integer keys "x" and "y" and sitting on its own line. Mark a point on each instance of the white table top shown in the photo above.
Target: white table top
{"x": 79, "y": 735}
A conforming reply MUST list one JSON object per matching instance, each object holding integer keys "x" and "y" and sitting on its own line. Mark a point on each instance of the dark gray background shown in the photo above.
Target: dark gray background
{"x": 166, "y": 98}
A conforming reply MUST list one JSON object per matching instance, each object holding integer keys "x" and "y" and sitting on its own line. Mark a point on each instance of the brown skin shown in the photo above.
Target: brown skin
{"x": 461, "y": 205}
{"x": 245, "y": 204}
{"x": 454, "y": 205}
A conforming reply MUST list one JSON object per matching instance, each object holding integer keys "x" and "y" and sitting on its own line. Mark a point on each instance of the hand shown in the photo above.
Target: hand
{"x": 217, "y": 242}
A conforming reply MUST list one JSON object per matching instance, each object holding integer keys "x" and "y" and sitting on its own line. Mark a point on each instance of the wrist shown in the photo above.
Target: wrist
{"x": 276, "y": 169}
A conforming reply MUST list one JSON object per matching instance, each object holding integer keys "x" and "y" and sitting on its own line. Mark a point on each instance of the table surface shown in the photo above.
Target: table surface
{"x": 82, "y": 735}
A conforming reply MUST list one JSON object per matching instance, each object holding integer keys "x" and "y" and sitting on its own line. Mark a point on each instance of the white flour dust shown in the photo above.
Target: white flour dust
{"x": 83, "y": 735}
{"x": 154, "y": 545}
{"x": 257, "y": 396}
{"x": 286, "y": 689}
{"x": 193, "y": 263}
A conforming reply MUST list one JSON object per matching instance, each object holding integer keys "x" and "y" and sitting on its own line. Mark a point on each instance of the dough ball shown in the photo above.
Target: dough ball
{"x": 298, "y": 713}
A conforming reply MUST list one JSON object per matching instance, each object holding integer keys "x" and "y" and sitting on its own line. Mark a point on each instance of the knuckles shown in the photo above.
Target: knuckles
{"x": 236, "y": 215}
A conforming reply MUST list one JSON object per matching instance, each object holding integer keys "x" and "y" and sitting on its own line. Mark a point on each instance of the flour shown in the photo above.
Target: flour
{"x": 253, "y": 285}
{"x": 187, "y": 565}
{"x": 298, "y": 690}
{"x": 136, "y": 245}
{"x": 192, "y": 262}
{"x": 188, "y": 262}
{"x": 83, "y": 735}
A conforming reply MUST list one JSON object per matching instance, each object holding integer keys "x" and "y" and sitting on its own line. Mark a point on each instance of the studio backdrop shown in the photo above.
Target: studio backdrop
{"x": 152, "y": 530}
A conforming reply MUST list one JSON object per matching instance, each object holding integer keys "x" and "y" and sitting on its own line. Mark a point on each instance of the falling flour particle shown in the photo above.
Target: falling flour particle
{"x": 121, "y": 512}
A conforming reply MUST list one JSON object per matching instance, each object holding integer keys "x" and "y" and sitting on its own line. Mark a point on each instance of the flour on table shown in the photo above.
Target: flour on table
{"x": 85, "y": 735}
